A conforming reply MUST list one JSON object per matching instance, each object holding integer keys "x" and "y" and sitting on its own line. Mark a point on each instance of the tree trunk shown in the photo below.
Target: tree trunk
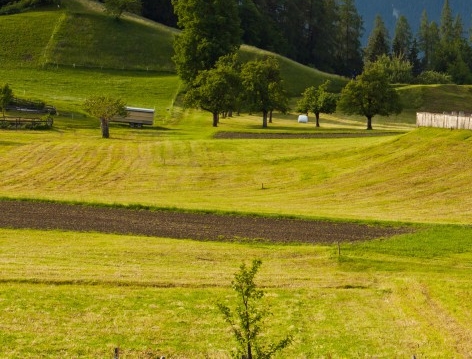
{"x": 215, "y": 119}
{"x": 264, "y": 119}
{"x": 105, "y": 128}
{"x": 369, "y": 122}
{"x": 270, "y": 116}
{"x": 317, "y": 115}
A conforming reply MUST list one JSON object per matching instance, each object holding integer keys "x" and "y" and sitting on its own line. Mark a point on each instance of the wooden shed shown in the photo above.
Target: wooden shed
{"x": 137, "y": 117}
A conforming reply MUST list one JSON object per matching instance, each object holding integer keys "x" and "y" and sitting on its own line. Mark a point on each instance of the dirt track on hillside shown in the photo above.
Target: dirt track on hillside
{"x": 197, "y": 226}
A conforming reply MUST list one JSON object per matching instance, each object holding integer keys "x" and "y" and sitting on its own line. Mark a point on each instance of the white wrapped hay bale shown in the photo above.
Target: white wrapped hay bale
{"x": 302, "y": 119}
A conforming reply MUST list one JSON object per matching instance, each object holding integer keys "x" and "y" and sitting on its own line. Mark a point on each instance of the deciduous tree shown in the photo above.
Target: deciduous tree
{"x": 116, "y": 8}
{"x": 263, "y": 87}
{"x": 247, "y": 319}
{"x": 317, "y": 100}
{"x": 216, "y": 90}
{"x": 105, "y": 108}
{"x": 370, "y": 94}
{"x": 211, "y": 29}
{"x": 6, "y": 95}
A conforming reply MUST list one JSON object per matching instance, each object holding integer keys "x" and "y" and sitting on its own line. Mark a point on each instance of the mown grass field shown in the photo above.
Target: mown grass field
{"x": 68, "y": 294}
{"x": 81, "y": 295}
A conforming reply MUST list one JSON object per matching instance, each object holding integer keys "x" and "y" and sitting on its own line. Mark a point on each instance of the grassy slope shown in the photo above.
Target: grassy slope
{"x": 383, "y": 299}
{"x": 420, "y": 176}
{"x": 400, "y": 297}
{"x": 83, "y": 36}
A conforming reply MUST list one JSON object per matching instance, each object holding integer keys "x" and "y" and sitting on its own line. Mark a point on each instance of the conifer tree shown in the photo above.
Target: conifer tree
{"x": 350, "y": 31}
{"x": 402, "y": 38}
{"x": 379, "y": 41}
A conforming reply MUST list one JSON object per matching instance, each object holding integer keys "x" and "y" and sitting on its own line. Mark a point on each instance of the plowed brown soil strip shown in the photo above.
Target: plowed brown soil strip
{"x": 213, "y": 227}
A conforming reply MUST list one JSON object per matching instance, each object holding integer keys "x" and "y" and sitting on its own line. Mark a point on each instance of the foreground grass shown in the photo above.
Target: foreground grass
{"x": 387, "y": 298}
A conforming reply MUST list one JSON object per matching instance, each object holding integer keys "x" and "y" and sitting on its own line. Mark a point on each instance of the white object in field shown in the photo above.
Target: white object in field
{"x": 137, "y": 117}
{"x": 302, "y": 119}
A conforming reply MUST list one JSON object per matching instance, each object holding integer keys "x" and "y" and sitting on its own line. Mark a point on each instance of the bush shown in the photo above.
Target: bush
{"x": 433, "y": 77}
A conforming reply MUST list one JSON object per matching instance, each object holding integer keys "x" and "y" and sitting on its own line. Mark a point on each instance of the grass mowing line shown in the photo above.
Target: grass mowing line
{"x": 398, "y": 178}
{"x": 445, "y": 331}
{"x": 333, "y": 310}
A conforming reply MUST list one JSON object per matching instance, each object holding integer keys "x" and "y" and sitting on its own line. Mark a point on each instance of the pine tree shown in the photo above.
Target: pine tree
{"x": 350, "y": 31}
{"x": 429, "y": 40}
{"x": 378, "y": 43}
{"x": 446, "y": 29}
{"x": 402, "y": 39}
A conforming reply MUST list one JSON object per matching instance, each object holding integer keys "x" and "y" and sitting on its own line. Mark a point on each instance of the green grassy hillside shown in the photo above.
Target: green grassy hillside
{"x": 26, "y": 38}
{"x": 69, "y": 294}
{"x": 80, "y": 35}
{"x": 437, "y": 98}
{"x": 420, "y": 176}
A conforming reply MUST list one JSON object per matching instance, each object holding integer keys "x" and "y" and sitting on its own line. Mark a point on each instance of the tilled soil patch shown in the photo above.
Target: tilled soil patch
{"x": 300, "y": 135}
{"x": 198, "y": 226}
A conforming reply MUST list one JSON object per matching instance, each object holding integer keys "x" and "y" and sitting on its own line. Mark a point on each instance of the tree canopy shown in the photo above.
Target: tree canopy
{"x": 317, "y": 100}
{"x": 370, "y": 94}
{"x": 263, "y": 87}
{"x": 117, "y": 7}
{"x": 217, "y": 89}
{"x": 211, "y": 29}
{"x": 105, "y": 108}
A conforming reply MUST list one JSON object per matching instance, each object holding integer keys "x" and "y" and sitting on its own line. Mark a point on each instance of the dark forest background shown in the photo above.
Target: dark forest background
{"x": 339, "y": 36}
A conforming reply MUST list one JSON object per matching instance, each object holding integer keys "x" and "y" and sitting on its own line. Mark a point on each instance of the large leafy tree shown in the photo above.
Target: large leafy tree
{"x": 211, "y": 29}
{"x": 105, "y": 108}
{"x": 370, "y": 94}
{"x": 216, "y": 90}
{"x": 317, "y": 100}
{"x": 263, "y": 87}
{"x": 6, "y": 95}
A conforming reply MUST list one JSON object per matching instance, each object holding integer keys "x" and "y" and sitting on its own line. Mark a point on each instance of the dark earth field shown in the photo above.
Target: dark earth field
{"x": 185, "y": 225}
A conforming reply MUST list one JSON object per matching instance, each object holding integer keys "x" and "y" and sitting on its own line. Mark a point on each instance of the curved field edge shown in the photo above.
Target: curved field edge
{"x": 421, "y": 176}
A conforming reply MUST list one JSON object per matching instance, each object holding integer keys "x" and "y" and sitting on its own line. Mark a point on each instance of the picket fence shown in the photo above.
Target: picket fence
{"x": 452, "y": 120}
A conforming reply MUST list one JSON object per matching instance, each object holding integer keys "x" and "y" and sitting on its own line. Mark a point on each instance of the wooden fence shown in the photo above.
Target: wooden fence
{"x": 452, "y": 120}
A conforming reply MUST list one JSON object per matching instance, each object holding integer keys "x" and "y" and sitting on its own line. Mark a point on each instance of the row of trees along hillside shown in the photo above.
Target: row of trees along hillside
{"x": 439, "y": 48}
{"x": 327, "y": 35}
{"x": 215, "y": 81}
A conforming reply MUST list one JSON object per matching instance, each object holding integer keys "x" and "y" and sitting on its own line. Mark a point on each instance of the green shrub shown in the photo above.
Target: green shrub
{"x": 433, "y": 77}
